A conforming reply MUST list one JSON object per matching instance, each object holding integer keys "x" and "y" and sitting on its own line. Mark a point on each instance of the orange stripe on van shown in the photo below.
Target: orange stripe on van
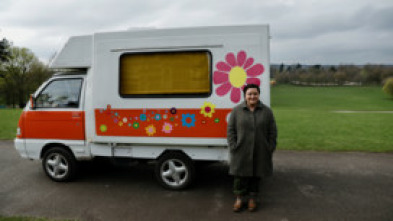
{"x": 162, "y": 122}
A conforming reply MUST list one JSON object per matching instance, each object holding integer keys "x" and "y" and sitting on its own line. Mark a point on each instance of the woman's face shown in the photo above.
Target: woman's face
{"x": 252, "y": 96}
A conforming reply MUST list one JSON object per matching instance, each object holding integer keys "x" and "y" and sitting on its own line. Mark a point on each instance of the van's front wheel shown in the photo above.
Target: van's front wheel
{"x": 175, "y": 170}
{"x": 59, "y": 164}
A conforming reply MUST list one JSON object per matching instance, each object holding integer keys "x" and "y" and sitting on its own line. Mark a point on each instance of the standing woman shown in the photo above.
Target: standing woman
{"x": 251, "y": 138}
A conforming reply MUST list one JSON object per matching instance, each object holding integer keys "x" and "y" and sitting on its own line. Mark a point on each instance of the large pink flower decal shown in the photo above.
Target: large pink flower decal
{"x": 236, "y": 72}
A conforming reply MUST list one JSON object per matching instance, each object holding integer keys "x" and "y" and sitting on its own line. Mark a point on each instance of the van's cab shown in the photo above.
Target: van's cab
{"x": 55, "y": 114}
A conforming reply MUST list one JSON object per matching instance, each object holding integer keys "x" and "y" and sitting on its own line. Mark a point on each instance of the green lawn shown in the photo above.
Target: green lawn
{"x": 8, "y": 123}
{"x": 306, "y": 120}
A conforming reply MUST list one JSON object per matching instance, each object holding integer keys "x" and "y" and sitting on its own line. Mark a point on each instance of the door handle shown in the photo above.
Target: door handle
{"x": 76, "y": 115}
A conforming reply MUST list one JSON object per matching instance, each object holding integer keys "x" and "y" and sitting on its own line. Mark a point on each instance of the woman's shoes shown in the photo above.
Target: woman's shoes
{"x": 252, "y": 205}
{"x": 237, "y": 207}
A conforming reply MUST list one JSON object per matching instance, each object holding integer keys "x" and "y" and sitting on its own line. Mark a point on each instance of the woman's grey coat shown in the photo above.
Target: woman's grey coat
{"x": 251, "y": 140}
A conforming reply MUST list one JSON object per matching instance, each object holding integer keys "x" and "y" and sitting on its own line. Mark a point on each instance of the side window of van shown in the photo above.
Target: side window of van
{"x": 62, "y": 93}
{"x": 169, "y": 74}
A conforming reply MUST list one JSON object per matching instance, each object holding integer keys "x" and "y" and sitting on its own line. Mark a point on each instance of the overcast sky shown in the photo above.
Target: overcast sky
{"x": 304, "y": 31}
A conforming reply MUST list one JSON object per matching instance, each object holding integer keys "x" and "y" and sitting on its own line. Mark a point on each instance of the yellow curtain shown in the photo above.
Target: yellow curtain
{"x": 165, "y": 73}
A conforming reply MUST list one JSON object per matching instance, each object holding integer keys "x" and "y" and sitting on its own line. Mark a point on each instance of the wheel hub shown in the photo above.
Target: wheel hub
{"x": 174, "y": 172}
{"x": 57, "y": 166}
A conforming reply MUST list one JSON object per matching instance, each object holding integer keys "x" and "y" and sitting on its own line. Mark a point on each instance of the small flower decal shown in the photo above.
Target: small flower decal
{"x": 173, "y": 110}
{"x": 207, "y": 109}
{"x": 135, "y": 125}
{"x": 217, "y": 120}
{"x": 150, "y": 130}
{"x": 157, "y": 117}
{"x": 188, "y": 120}
{"x": 143, "y": 117}
{"x": 235, "y": 72}
{"x": 103, "y": 128}
{"x": 167, "y": 128}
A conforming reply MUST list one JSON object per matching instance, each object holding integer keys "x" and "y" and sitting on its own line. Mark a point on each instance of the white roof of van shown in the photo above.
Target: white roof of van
{"x": 76, "y": 53}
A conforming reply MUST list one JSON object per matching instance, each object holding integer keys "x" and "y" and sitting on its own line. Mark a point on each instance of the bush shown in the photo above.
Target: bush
{"x": 388, "y": 87}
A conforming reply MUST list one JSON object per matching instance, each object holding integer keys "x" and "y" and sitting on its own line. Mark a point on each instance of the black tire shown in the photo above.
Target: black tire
{"x": 59, "y": 164}
{"x": 175, "y": 171}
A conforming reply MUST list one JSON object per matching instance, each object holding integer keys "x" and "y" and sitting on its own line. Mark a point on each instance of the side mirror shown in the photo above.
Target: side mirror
{"x": 32, "y": 102}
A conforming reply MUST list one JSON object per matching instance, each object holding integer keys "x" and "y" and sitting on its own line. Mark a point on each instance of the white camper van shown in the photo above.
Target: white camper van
{"x": 160, "y": 94}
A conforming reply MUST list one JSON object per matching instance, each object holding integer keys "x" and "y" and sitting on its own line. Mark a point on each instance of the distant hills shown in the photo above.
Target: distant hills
{"x": 307, "y": 66}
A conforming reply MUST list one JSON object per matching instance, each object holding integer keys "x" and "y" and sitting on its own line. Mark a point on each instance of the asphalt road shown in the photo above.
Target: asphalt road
{"x": 305, "y": 186}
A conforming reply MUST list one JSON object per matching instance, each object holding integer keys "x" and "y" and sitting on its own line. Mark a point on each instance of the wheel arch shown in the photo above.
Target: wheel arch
{"x": 48, "y": 146}
{"x": 168, "y": 151}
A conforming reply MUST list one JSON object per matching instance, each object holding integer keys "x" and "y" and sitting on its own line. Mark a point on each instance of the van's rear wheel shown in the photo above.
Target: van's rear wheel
{"x": 175, "y": 170}
{"x": 59, "y": 164}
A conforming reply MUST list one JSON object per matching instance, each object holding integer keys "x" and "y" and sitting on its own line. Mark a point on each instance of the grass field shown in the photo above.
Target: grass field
{"x": 306, "y": 119}
{"x": 8, "y": 123}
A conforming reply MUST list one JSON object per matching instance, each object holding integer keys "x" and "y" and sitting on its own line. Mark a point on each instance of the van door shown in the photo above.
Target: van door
{"x": 58, "y": 112}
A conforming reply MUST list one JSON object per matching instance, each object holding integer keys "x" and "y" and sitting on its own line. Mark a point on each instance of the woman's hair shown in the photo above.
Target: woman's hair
{"x": 248, "y": 86}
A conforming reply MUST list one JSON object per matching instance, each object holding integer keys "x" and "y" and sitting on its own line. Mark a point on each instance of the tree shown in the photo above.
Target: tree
{"x": 4, "y": 50}
{"x": 281, "y": 69}
{"x": 340, "y": 77}
{"x": 37, "y": 74}
{"x": 317, "y": 67}
{"x": 20, "y": 75}
{"x": 352, "y": 72}
{"x": 333, "y": 69}
{"x": 373, "y": 73}
{"x": 388, "y": 87}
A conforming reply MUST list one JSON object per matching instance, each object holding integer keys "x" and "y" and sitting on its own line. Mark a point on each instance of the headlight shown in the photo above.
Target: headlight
{"x": 18, "y": 131}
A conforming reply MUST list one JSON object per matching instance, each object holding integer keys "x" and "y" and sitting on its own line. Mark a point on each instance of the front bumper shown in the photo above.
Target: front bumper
{"x": 20, "y": 146}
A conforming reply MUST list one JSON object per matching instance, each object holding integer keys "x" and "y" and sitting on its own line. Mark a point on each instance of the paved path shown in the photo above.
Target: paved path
{"x": 305, "y": 186}
{"x": 362, "y": 112}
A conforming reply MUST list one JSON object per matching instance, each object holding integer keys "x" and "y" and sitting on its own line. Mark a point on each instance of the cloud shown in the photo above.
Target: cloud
{"x": 337, "y": 35}
{"x": 306, "y": 31}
